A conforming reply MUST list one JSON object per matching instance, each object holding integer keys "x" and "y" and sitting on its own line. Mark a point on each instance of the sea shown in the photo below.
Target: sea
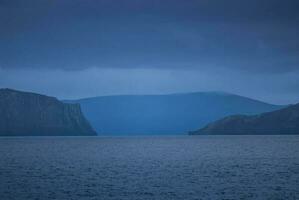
{"x": 149, "y": 168}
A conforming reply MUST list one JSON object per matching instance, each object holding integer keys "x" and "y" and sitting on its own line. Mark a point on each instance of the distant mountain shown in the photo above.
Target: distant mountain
{"x": 165, "y": 114}
{"x": 283, "y": 121}
{"x": 24, "y": 114}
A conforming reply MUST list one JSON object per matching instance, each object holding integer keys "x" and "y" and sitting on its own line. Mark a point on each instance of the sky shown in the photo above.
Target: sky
{"x": 81, "y": 48}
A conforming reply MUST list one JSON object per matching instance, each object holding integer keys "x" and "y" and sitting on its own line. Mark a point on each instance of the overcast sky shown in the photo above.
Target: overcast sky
{"x": 80, "y": 48}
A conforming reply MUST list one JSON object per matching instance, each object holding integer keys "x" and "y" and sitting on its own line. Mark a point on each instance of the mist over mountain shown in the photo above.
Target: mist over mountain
{"x": 29, "y": 114}
{"x": 164, "y": 114}
{"x": 284, "y": 121}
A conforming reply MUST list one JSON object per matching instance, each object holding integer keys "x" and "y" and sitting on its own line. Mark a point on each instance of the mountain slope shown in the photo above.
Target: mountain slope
{"x": 23, "y": 113}
{"x": 284, "y": 121}
{"x": 164, "y": 114}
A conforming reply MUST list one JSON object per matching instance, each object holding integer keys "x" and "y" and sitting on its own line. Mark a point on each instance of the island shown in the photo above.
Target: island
{"x": 280, "y": 122}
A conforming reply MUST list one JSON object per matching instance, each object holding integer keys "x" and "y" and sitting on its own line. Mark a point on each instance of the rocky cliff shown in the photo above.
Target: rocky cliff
{"x": 29, "y": 114}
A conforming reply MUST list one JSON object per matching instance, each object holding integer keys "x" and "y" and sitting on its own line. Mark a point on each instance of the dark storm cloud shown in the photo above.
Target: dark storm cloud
{"x": 255, "y": 35}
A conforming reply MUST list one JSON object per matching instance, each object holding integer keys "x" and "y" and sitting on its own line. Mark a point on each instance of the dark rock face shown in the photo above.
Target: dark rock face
{"x": 283, "y": 121}
{"x": 24, "y": 114}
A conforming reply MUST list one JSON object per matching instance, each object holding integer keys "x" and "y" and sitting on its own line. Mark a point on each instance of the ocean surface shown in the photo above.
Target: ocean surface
{"x": 137, "y": 168}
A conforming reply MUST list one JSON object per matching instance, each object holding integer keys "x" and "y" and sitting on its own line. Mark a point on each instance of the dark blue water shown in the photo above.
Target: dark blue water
{"x": 197, "y": 167}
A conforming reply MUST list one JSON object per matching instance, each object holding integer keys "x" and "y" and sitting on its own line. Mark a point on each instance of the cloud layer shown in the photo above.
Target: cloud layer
{"x": 256, "y": 35}
{"x": 79, "y": 48}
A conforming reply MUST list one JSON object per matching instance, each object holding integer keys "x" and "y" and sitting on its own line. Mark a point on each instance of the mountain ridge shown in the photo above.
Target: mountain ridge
{"x": 175, "y": 113}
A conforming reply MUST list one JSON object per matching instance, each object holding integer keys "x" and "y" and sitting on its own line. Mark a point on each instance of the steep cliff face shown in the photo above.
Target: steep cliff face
{"x": 23, "y": 113}
{"x": 283, "y": 121}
